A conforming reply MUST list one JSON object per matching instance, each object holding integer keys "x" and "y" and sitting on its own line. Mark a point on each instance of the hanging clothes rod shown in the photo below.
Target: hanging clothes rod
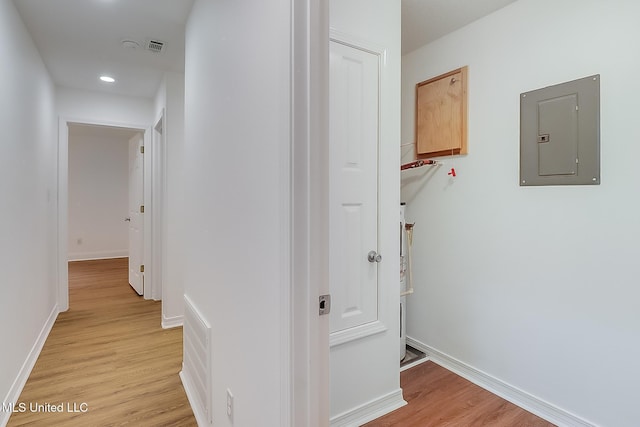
{"x": 417, "y": 164}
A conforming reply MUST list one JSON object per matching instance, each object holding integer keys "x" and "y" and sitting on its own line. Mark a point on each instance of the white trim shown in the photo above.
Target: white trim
{"x": 63, "y": 214}
{"x": 370, "y": 410}
{"x": 521, "y": 398}
{"x": 286, "y": 259}
{"x": 309, "y": 367}
{"x": 63, "y": 201}
{"x": 364, "y": 45}
{"x": 172, "y": 322}
{"x": 158, "y": 186}
{"x": 414, "y": 363}
{"x": 201, "y": 417}
{"x": 27, "y": 366}
{"x": 197, "y": 336}
{"x": 356, "y": 333}
{"x": 148, "y": 276}
{"x": 88, "y": 256}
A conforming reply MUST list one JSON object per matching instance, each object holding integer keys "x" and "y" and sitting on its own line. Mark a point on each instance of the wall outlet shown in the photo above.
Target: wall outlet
{"x": 230, "y": 404}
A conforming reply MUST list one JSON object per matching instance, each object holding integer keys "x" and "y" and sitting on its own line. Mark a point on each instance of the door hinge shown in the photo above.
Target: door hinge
{"x": 141, "y": 208}
{"x": 142, "y": 268}
{"x": 324, "y": 304}
{"x": 142, "y": 149}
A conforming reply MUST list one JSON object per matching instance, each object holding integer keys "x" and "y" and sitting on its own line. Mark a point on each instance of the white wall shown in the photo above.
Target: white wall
{"x": 98, "y": 192}
{"x": 535, "y": 286}
{"x": 236, "y": 151}
{"x": 170, "y": 97}
{"x": 28, "y": 210}
{"x": 365, "y": 378}
{"x": 103, "y": 107}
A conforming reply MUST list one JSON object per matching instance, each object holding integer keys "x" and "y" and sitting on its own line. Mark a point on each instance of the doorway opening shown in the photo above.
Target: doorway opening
{"x": 65, "y": 125}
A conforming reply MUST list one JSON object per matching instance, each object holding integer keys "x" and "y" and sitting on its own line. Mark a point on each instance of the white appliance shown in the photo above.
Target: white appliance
{"x": 403, "y": 283}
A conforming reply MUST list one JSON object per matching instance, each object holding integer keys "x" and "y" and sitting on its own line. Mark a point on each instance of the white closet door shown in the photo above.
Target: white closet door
{"x": 354, "y": 109}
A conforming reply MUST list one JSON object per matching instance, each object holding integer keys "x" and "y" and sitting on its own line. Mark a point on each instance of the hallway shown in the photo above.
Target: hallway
{"x": 107, "y": 361}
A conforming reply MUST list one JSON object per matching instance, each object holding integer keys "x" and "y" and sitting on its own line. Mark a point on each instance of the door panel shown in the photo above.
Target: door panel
{"x": 136, "y": 223}
{"x": 353, "y": 162}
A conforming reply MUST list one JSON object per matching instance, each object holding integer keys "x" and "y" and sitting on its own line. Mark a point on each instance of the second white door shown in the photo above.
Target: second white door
{"x": 136, "y": 218}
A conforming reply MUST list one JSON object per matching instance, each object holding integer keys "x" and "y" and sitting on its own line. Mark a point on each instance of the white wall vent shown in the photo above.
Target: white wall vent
{"x": 197, "y": 359}
{"x": 154, "y": 45}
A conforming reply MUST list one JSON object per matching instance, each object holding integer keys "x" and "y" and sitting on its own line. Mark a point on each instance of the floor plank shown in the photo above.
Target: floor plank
{"x": 437, "y": 397}
{"x": 108, "y": 352}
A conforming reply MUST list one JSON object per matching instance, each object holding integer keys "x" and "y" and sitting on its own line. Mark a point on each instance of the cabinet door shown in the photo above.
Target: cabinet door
{"x": 441, "y": 115}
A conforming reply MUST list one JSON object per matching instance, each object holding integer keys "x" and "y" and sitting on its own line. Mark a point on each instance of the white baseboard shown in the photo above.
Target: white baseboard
{"x": 21, "y": 379}
{"x": 414, "y": 363}
{"x": 172, "y": 322}
{"x": 89, "y": 256}
{"x": 527, "y": 401}
{"x": 370, "y": 410}
{"x": 198, "y": 413}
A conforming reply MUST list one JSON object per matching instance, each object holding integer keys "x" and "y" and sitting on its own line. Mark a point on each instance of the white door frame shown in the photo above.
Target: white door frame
{"x": 63, "y": 203}
{"x": 158, "y": 156}
{"x": 306, "y": 367}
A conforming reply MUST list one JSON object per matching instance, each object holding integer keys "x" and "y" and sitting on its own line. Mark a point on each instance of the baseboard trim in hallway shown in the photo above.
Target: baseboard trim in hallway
{"x": 527, "y": 401}
{"x": 27, "y": 367}
{"x": 172, "y": 322}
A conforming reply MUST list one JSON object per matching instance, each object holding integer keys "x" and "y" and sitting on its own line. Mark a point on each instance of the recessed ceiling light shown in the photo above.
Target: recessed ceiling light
{"x": 107, "y": 79}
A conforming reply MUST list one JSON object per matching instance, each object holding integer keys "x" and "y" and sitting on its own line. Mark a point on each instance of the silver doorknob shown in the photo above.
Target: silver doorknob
{"x": 373, "y": 256}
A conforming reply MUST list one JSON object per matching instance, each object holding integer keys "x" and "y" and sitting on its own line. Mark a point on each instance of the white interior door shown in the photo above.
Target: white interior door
{"x": 136, "y": 218}
{"x": 353, "y": 162}
{"x": 363, "y": 197}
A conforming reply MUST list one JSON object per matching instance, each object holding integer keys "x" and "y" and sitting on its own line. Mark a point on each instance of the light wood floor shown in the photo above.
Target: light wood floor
{"x": 110, "y": 353}
{"x": 438, "y": 397}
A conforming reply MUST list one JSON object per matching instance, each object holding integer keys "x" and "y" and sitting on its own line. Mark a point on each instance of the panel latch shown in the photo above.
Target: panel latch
{"x": 543, "y": 138}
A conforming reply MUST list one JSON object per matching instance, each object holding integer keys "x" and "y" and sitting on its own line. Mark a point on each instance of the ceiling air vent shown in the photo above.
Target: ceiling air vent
{"x": 154, "y": 46}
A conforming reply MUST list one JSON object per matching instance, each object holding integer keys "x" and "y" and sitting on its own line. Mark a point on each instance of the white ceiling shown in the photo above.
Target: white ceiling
{"x": 80, "y": 40}
{"x": 424, "y": 21}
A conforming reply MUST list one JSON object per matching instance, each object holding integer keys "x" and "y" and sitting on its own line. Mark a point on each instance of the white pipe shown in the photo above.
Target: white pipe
{"x": 409, "y": 230}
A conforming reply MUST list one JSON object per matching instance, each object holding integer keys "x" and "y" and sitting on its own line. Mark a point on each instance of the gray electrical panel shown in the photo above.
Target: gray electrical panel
{"x": 560, "y": 134}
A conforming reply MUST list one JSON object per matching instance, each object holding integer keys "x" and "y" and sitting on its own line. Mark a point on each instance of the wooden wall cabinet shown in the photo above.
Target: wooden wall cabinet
{"x": 441, "y": 115}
